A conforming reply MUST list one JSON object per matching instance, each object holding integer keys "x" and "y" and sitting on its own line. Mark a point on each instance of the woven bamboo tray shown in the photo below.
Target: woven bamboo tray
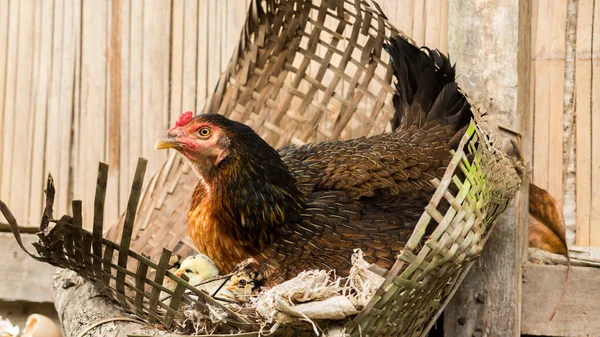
{"x": 268, "y": 86}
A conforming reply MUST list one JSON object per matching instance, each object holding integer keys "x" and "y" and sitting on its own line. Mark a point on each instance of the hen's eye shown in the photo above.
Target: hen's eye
{"x": 204, "y": 132}
{"x": 189, "y": 271}
{"x": 242, "y": 282}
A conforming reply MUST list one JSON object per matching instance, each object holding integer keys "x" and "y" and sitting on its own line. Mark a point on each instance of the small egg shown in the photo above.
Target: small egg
{"x": 40, "y": 326}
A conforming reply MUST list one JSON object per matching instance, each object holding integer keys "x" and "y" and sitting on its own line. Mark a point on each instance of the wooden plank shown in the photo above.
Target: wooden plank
{"x": 419, "y": 21}
{"x": 93, "y": 106}
{"x": 214, "y": 40}
{"x": 125, "y": 169}
{"x": 19, "y": 105}
{"x": 549, "y": 92}
{"x": 558, "y": 22}
{"x": 433, "y": 12}
{"x": 542, "y": 121}
{"x": 71, "y": 103}
{"x": 555, "y": 128}
{"x": 234, "y": 17}
{"x": 4, "y": 33}
{"x": 177, "y": 54}
{"x": 543, "y": 44}
{"x": 390, "y": 8}
{"x": 557, "y": 85}
{"x": 23, "y": 279}
{"x": 114, "y": 95}
{"x": 583, "y": 121}
{"x": 224, "y": 12}
{"x": 583, "y": 160}
{"x": 443, "y": 46}
{"x": 63, "y": 103}
{"x": 532, "y": 82}
{"x": 40, "y": 107}
{"x": 190, "y": 59}
{"x": 155, "y": 97}
{"x": 579, "y": 309}
{"x": 532, "y": 105}
{"x": 135, "y": 97}
{"x": 202, "y": 61}
{"x": 488, "y": 303}
{"x": 53, "y": 123}
{"x": 534, "y": 22}
{"x": 595, "y": 132}
{"x": 37, "y": 119}
{"x": 405, "y": 16}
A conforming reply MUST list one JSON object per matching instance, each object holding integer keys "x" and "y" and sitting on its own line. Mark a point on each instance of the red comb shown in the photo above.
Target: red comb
{"x": 184, "y": 118}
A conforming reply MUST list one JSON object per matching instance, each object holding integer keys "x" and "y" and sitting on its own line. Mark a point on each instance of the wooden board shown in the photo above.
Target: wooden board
{"x": 579, "y": 310}
{"x": 548, "y": 45}
{"x": 8, "y": 127}
{"x": 114, "y": 108}
{"x": 93, "y": 107}
{"x": 583, "y": 113}
{"x": 3, "y": 67}
{"x": 177, "y": 54}
{"x": 133, "y": 135}
{"x": 595, "y": 131}
{"x": 23, "y": 278}
{"x": 190, "y": 56}
{"x": 155, "y": 81}
{"x": 23, "y": 121}
{"x": 557, "y": 88}
{"x": 127, "y": 159}
{"x": 488, "y": 303}
{"x": 433, "y": 28}
{"x": 61, "y": 112}
{"x": 541, "y": 122}
{"x": 202, "y": 61}
{"x": 404, "y": 16}
{"x": 40, "y": 99}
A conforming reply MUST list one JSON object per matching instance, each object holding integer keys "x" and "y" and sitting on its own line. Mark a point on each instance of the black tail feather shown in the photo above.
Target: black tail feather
{"x": 426, "y": 90}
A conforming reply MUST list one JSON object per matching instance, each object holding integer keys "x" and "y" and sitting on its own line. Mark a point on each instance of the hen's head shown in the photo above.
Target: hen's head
{"x": 245, "y": 175}
{"x": 206, "y": 140}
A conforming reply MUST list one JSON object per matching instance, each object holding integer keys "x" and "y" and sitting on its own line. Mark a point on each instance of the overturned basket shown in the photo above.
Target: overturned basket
{"x": 268, "y": 85}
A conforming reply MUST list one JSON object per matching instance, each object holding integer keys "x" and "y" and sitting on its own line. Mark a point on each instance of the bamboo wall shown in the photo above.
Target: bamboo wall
{"x": 88, "y": 81}
{"x": 565, "y": 84}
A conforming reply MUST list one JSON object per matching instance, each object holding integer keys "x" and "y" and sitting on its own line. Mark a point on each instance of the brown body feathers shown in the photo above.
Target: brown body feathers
{"x": 309, "y": 207}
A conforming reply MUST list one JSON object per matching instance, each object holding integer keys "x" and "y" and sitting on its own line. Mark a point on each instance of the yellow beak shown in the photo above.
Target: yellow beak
{"x": 166, "y": 142}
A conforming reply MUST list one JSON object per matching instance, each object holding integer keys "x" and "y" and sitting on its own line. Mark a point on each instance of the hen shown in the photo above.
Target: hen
{"x": 308, "y": 207}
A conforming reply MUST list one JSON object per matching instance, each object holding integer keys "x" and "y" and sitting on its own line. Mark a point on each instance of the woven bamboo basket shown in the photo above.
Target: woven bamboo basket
{"x": 268, "y": 86}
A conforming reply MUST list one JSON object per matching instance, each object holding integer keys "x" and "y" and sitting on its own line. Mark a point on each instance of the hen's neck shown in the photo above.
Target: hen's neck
{"x": 249, "y": 198}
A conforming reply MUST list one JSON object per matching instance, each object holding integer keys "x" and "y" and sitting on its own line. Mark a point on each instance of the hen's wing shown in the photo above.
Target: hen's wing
{"x": 431, "y": 114}
{"x": 332, "y": 226}
{"x": 395, "y": 163}
{"x": 368, "y": 192}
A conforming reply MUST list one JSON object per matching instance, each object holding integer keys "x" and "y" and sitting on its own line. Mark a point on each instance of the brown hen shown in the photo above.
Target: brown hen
{"x": 309, "y": 207}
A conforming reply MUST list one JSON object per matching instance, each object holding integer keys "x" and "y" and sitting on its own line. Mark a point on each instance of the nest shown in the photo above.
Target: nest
{"x": 267, "y": 85}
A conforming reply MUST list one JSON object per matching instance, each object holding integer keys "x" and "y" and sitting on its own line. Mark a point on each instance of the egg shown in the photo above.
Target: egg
{"x": 40, "y": 326}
